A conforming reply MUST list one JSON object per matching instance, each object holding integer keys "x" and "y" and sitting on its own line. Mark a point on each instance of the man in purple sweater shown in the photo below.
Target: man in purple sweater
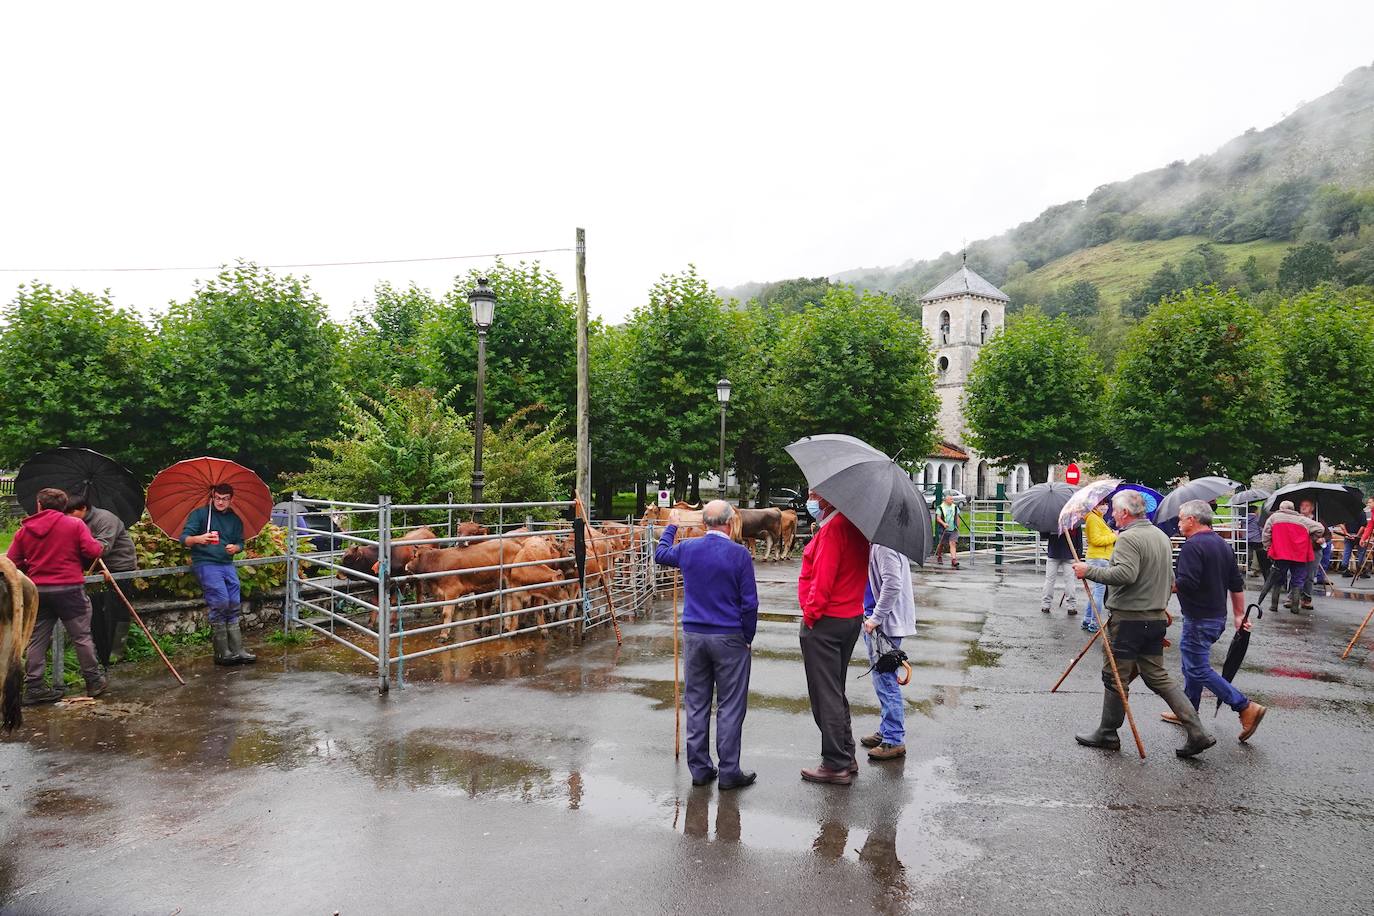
{"x": 720, "y": 612}
{"x": 1207, "y": 572}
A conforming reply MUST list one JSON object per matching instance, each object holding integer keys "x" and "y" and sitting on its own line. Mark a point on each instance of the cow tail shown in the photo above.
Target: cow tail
{"x": 12, "y": 646}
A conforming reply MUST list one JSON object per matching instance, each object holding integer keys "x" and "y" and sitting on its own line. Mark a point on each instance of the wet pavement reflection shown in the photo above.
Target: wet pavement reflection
{"x": 552, "y": 758}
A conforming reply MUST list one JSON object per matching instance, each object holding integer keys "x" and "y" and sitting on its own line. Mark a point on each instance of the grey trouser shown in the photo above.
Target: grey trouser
{"x": 69, "y": 604}
{"x": 719, "y": 663}
{"x": 826, "y": 650}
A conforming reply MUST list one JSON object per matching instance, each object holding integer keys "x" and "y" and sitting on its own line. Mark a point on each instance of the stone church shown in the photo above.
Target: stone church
{"x": 961, "y": 314}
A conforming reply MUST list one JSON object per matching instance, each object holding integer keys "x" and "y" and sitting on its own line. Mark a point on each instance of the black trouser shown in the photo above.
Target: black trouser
{"x": 826, "y": 650}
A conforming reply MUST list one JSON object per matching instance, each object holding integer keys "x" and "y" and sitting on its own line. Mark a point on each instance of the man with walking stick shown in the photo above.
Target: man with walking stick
{"x": 720, "y": 610}
{"x": 1139, "y": 581}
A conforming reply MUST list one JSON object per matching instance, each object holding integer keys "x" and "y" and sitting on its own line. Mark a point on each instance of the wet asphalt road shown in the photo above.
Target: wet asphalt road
{"x": 541, "y": 778}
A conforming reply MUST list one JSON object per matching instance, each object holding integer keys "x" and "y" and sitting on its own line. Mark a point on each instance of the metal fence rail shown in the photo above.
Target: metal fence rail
{"x": 357, "y": 595}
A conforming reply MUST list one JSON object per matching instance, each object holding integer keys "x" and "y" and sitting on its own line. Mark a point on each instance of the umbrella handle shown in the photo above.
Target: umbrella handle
{"x": 1258, "y": 612}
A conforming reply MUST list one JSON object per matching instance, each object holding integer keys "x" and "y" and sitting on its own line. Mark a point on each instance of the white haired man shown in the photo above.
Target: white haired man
{"x": 1139, "y": 581}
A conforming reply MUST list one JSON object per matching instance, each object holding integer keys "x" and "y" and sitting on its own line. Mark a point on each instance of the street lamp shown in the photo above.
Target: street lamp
{"x": 482, "y": 302}
{"x": 723, "y": 396}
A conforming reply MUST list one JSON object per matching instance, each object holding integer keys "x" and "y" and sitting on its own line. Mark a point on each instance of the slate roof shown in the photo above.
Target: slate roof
{"x": 965, "y": 282}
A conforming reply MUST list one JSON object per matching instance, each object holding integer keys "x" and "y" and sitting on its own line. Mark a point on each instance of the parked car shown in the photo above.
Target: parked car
{"x": 788, "y": 498}
{"x": 960, "y": 499}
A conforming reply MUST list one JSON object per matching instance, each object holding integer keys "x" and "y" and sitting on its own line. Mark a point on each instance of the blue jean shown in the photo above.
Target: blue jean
{"x": 1099, "y": 595}
{"x": 1199, "y": 635}
{"x": 1292, "y": 571}
{"x": 1352, "y": 549}
{"x": 220, "y": 584}
{"x": 716, "y": 663}
{"x": 892, "y": 726}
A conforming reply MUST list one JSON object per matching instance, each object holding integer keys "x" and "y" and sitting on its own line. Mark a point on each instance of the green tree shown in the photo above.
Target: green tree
{"x": 1032, "y": 394}
{"x": 74, "y": 374}
{"x": 246, "y": 369}
{"x": 1196, "y": 391}
{"x": 619, "y": 454}
{"x": 1079, "y": 299}
{"x": 1326, "y": 347}
{"x": 757, "y": 429}
{"x": 681, "y": 347}
{"x": 1163, "y": 283}
{"x": 380, "y": 347}
{"x": 1305, "y": 266}
{"x": 530, "y": 347}
{"x": 794, "y": 295}
{"x": 855, "y": 364}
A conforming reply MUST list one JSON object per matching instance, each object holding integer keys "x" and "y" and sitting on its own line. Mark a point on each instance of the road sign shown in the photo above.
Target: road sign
{"x": 1071, "y": 474}
{"x": 664, "y": 500}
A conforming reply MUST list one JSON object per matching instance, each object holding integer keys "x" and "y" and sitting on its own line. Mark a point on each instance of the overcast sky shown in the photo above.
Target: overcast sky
{"x": 758, "y": 141}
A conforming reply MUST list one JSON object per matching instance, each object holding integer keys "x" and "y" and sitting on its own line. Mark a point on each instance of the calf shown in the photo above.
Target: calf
{"x": 363, "y": 558}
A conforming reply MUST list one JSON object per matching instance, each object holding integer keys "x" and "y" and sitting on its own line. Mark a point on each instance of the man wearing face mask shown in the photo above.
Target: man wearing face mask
{"x": 830, "y": 591}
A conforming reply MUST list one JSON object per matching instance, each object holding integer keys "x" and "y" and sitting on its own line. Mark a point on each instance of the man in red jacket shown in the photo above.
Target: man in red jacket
{"x": 53, "y": 550}
{"x": 830, "y": 591}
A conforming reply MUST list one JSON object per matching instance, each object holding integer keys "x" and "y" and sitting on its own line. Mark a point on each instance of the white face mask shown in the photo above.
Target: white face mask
{"x": 814, "y": 507}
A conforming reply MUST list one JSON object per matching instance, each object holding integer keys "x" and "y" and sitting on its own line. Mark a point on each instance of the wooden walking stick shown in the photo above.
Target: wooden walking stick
{"x": 677, "y": 705}
{"x": 1357, "y": 633}
{"x": 105, "y": 571}
{"x": 1111, "y": 657}
{"x": 1079, "y": 657}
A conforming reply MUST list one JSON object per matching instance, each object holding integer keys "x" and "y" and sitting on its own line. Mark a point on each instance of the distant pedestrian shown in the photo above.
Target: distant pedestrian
{"x": 54, "y": 550}
{"x": 720, "y": 610}
{"x": 947, "y": 532}
{"x": 1139, "y": 579}
{"x": 215, "y": 535}
{"x": 1321, "y": 555}
{"x": 109, "y": 616}
{"x": 1059, "y": 556}
{"x": 1288, "y": 538}
{"x": 1206, "y": 574}
{"x": 889, "y": 617}
{"x": 830, "y": 590}
{"x": 1101, "y": 542}
{"x": 1254, "y": 537}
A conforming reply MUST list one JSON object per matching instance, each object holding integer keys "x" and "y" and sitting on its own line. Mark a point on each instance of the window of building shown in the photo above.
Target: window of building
{"x": 944, "y": 328}
{"x": 942, "y": 366}
{"x": 983, "y": 327}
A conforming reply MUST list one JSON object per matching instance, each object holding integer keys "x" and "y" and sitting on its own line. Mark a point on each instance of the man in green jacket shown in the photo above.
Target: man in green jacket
{"x": 1139, "y": 582}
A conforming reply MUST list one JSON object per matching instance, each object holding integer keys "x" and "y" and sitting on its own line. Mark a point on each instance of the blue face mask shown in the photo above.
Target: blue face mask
{"x": 814, "y": 507}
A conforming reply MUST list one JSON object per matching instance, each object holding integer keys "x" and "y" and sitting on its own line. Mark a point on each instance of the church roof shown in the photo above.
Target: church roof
{"x": 965, "y": 282}
{"x": 949, "y": 450}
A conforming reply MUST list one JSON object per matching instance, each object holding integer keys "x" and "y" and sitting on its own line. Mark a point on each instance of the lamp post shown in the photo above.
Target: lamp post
{"x": 722, "y": 396}
{"x": 482, "y": 302}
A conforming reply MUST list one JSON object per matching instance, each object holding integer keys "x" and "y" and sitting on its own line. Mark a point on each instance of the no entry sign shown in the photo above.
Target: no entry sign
{"x": 1071, "y": 474}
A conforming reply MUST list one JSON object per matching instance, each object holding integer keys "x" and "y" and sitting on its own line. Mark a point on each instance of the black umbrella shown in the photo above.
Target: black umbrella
{"x": 1336, "y": 503}
{"x": 1240, "y": 644}
{"x": 106, "y": 483}
{"x": 869, "y": 488}
{"x": 1204, "y": 488}
{"x": 1038, "y": 507}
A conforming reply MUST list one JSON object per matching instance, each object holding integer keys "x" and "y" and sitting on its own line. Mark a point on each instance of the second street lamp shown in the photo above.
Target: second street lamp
{"x": 723, "y": 397}
{"x": 482, "y": 302}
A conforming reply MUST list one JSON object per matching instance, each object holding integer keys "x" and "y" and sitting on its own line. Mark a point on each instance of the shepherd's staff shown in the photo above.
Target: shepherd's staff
{"x": 677, "y": 705}
{"x": 1357, "y": 633}
{"x": 105, "y": 571}
{"x": 1111, "y": 657}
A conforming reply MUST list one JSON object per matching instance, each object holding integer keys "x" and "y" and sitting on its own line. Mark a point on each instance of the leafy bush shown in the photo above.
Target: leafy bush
{"x": 155, "y": 550}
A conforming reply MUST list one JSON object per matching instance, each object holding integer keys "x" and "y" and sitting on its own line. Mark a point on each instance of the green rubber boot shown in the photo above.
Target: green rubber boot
{"x": 236, "y": 650}
{"x": 219, "y": 635}
{"x": 119, "y": 642}
{"x": 1105, "y": 736}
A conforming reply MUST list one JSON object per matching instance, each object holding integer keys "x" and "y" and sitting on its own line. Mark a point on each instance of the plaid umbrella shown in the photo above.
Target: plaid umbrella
{"x": 1249, "y": 496}
{"x": 1204, "y": 488}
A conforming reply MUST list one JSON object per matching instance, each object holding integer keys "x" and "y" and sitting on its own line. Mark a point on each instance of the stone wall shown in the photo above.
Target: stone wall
{"x": 186, "y": 615}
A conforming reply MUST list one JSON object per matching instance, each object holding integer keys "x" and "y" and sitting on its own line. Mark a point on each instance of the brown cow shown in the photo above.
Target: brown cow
{"x": 537, "y": 548}
{"x": 451, "y": 589}
{"x": 789, "y": 533}
{"x": 363, "y": 558}
{"x": 18, "y": 613}
{"x": 765, "y": 523}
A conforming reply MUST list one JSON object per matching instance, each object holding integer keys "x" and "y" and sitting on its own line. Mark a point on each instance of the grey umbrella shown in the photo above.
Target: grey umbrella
{"x": 1247, "y": 497}
{"x": 1038, "y": 507}
{"x": 1204, "y": 488}
{"x": 869, "y": 488}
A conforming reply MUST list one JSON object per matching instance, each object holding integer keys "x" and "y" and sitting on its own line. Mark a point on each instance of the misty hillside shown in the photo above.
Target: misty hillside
{"x": 1307, "y": 178}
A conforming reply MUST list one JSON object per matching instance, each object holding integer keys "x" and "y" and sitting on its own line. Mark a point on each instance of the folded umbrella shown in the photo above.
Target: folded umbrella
{"x": 184, "y": 487}
{"x": 869, "y": 488}
{"x": 1246, "y": 497}
{"x": 104, "y": 482}
{"x": 1240, "y": 644}
{"x": 1204, "y": 488}
{"x": 1038, "y": 507}
{"x": 1336, "y": 503}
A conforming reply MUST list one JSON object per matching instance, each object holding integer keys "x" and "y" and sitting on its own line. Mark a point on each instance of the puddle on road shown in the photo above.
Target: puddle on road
{"x": 63, "y": 803}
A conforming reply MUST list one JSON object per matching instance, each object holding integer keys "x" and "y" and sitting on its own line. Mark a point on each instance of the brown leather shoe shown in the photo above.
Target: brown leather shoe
{"x": 822, "y": 774}
{"x": 1250, "y": 718}
{"x": 887, "y": 751}
{"x": 872, "y": 740}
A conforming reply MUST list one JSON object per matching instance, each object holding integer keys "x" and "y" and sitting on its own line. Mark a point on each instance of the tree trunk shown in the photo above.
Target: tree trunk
{"x": 1197, "y": 467}
{"x": 695, "y": 497}
{"x": 1311, "y": 467}
{"x": 1039, "y": 471}
{"x": 605, "y": 498}
{"x": 761, "y": 500}
{"x": 641, "y": 496}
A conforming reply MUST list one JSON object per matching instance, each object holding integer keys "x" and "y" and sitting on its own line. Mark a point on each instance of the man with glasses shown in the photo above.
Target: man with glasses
{"x": 215, "y": 535}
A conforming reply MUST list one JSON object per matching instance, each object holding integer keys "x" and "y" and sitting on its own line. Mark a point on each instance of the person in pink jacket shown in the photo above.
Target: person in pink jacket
{"x": 53, "y": 549}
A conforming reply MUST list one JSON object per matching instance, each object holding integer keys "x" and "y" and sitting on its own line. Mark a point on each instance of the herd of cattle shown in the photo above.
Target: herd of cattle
{"x": 530, "y": 573}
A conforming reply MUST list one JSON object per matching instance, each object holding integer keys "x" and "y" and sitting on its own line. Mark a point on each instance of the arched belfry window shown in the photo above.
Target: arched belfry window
{"x": 983, "y": 327}
{"x": 942, "y": 366}
{"x": 944, "y": 328}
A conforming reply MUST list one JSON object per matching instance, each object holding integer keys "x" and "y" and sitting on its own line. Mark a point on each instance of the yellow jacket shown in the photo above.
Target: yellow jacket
{"x": 1101, "y": 539}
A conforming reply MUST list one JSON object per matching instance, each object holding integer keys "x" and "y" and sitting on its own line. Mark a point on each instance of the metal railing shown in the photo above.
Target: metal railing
{"x": 578, "y": 578}
{"x": 992, "y": 534}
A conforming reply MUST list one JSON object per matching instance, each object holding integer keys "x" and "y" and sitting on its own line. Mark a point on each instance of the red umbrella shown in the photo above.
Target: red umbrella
{"x": 184, "y": 487}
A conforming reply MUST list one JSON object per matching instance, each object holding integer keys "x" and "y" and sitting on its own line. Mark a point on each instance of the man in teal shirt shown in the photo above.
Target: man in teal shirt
{"x": 215, "y": 535}
{"x": 947, "y": 532}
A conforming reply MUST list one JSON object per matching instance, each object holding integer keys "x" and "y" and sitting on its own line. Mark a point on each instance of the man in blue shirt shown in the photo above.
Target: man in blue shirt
{"x": 215, "y": 535}
{"x": 720, "y": 611}
{"x": 1206, "y": 571}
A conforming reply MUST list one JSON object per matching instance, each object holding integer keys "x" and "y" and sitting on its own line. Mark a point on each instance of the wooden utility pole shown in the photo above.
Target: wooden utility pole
{"x": 584, "y": 444}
